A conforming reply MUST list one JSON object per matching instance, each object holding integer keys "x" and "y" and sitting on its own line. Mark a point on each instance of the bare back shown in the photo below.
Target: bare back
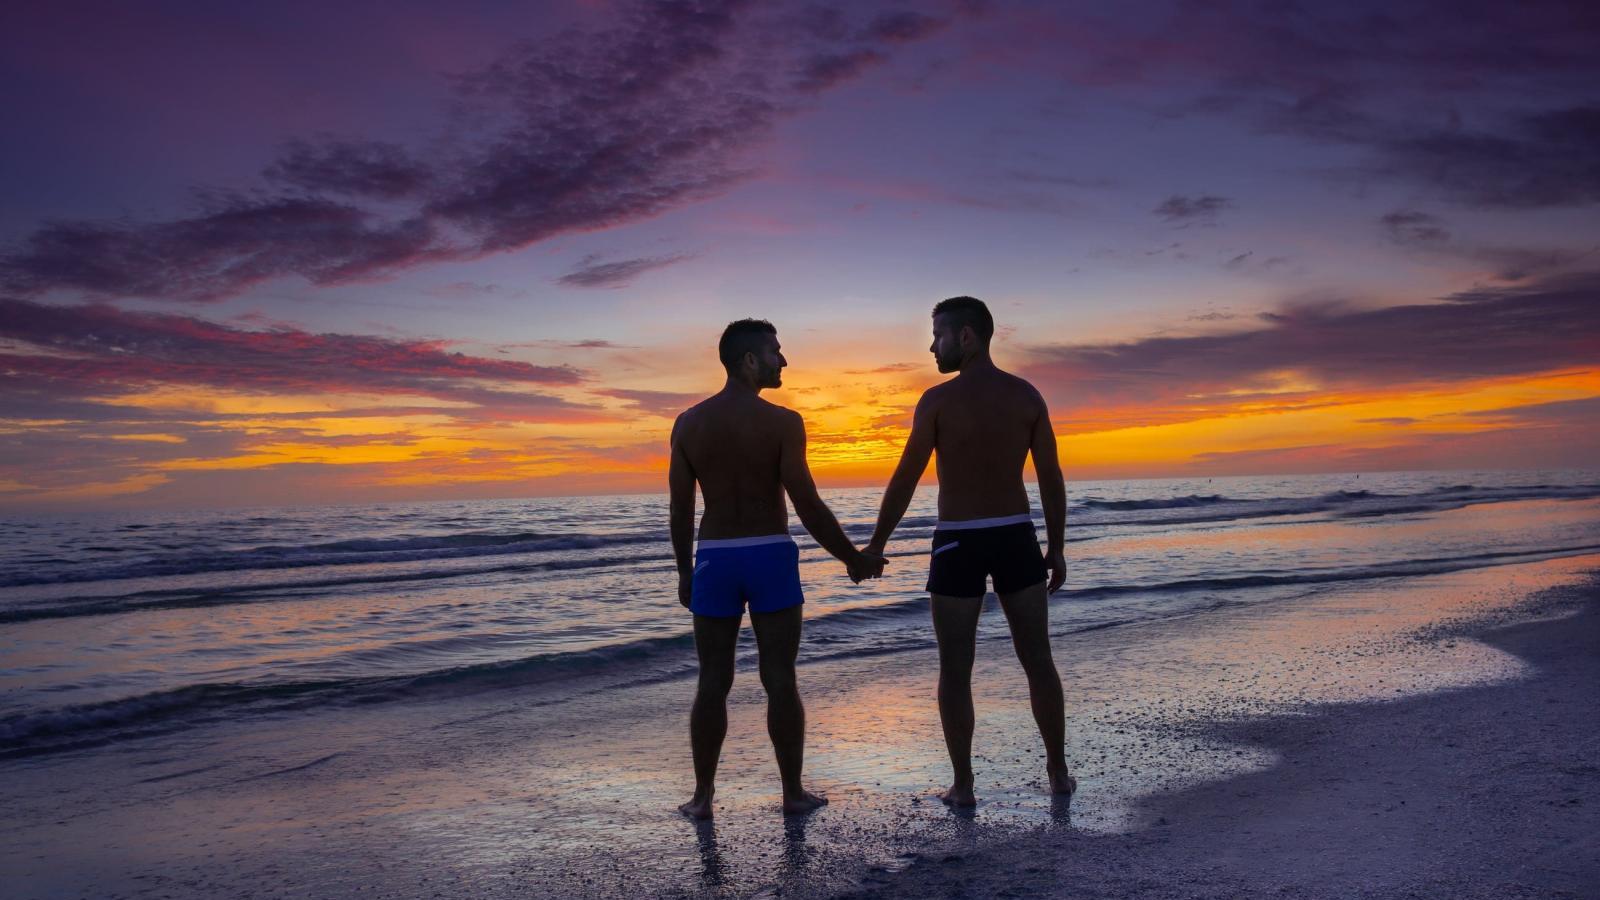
{"x": 984, "y": 424}
{"x": 733, "y": 443}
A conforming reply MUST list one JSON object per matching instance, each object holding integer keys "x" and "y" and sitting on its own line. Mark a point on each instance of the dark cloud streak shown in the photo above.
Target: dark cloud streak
{"x": 1483, "y": 103}
{"x": 1545, "y": 159}
{"x": 67, "y": 354}
{"x": 360, "y": 168}
{"x": 665, "y": 404}
{"x": 591, "y": 273}
{"x": 235, "y": 244}
{"x": 581, "y": 132}
{"x": 1486, "y": 333}
{"x": 1428, "y": 234}
{"x": 1179, "y": 208}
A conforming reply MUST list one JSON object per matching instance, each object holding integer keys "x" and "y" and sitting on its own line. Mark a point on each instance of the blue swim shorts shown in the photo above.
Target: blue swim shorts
{"x": 762, "y": 571}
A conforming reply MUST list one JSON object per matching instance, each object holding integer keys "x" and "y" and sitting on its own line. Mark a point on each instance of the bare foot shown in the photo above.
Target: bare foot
{"x": 1062, "y": 783}
{"x": 959, "y": 795}
{"x": 802, "y": 802}
{"x": 699, "y": 807}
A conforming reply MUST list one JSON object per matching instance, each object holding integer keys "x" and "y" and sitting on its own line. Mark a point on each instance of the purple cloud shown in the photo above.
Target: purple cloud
{"x": 1408, "y": 226}
{"x": 1542, "y": 160}
{"x": 1484, "y": 103}
{"x": 828, "y": 69}
{"x": 361, "y": 168}
{"x": 1179, "y": 208}
{"x": 1490, "y": 332}
{"x": 71, "y": 353}
{"x": 591, "y": 273}
{"x": 584, "y": 131}
{"x": 1425, "y": 233}
{"x": 238, "y": 242}
{"x": 902, "y": 27}
{"x": 1583, "y": 411}
{"x": 665, "y": 404}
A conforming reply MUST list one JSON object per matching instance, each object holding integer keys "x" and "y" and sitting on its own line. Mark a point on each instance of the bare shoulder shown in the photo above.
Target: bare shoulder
{"x": 783, "y": 418}
{"x": 933, "y": 396}
{"x": 1024, "y": 389}
{"x": 688, "y": 418}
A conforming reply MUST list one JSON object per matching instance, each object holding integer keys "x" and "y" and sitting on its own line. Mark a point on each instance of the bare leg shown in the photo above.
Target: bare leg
{"x": 714, "y": 642}
{"x": 778, "y": 642}
{"x": 955, "y": 623}
{"x": 1026, "y": 612}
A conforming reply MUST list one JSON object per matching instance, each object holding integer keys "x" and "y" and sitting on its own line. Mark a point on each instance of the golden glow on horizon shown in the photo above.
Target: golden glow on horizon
{"x": 857, "y": 421}
{"x": 1355, "y": 422}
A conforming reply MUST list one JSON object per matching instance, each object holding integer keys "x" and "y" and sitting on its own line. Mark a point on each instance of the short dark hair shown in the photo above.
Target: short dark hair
{"x": 967, "y": 311}
{"x": 741, "y": 337}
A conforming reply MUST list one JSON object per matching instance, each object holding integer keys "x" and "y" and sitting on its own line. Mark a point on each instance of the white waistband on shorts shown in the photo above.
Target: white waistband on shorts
{"x": 731, "y": 543}
{"x": 997, "y": 521}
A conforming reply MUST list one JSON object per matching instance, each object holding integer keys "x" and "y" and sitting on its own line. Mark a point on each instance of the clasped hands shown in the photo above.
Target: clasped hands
{"x": 866, "y": 563}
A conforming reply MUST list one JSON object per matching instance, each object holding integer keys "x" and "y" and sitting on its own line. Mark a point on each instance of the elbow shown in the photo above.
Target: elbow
{"x": 805, "y": 511}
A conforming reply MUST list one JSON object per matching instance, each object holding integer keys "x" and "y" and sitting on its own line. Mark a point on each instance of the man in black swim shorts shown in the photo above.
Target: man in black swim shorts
{"x": 983, "y": 424}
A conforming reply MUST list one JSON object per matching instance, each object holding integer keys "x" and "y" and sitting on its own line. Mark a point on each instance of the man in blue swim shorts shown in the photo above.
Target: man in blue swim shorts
{"x": 745, "y": 454}
{"x": 983, "y": 424}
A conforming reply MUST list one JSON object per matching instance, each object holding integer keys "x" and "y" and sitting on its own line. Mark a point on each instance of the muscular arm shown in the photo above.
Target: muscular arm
{"x": 903, "y": 484}
{"x": 680, "y": 518}
{"x": 1052, "y": 494}
{"x": 814, "y": 514}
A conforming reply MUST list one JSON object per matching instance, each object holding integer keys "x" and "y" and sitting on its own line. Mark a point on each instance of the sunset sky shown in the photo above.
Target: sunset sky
{"x": 257, "y": 254}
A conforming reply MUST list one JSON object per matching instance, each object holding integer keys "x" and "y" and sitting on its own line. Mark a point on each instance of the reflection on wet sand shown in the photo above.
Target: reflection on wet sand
{"x": 712, "y": 867}
{"x": 797, "y": 856}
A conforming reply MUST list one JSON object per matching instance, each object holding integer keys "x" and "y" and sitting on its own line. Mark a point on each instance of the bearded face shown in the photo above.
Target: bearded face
{"x": 769, "y": 364}
{"x": 946, "y": 347}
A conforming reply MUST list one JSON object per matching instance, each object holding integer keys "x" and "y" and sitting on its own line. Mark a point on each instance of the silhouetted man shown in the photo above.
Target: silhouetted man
{"x": 745, "y": 453}
{"x": 983, "y": 423}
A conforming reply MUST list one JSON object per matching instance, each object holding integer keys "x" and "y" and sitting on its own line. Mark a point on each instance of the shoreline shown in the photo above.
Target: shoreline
{"x": 1486, "y": 791}
{"x": 497, "y": 796}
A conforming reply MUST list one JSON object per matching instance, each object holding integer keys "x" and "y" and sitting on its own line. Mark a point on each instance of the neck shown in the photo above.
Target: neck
{"x": 977, "y": 362}
{"x": 738, "y": 385}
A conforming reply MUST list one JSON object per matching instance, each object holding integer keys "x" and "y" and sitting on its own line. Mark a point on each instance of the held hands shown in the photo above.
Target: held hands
{"x": 865, "y": 564}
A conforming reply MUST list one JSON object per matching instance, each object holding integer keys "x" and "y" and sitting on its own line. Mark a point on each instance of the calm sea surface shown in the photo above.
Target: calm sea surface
{"x": 115, "y": 626}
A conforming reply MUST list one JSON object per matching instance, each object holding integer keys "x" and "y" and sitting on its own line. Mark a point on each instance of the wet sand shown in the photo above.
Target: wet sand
{"x": 1489, "y": 792}
{"x": 1359, "y": 741}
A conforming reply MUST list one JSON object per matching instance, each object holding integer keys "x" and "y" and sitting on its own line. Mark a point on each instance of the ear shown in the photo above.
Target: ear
{"x": 969, "y": 336}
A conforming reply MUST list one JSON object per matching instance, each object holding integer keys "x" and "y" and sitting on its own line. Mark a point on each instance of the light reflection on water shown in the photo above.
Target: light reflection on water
{"x": 348, "y": 622}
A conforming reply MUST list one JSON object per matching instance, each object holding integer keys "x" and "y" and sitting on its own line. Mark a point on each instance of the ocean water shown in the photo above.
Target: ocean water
{"x": 116, "y": 627}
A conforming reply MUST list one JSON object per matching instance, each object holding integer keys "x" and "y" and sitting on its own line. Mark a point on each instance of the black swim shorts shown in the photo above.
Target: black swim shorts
{"x": 967, "y": 553}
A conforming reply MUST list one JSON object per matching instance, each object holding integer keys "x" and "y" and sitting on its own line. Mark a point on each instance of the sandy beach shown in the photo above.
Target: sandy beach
{"x": 1473, "y": 792}
{"x": 1419, "y": 736}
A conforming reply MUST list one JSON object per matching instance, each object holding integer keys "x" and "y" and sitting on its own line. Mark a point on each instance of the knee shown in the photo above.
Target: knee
{"x": 715, "y": 685}
{"x": 957, "y": 661}
{"x": 1039, "y": 665}
{"x": 778, "y": 679}
{"x": 955, "y": 671}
